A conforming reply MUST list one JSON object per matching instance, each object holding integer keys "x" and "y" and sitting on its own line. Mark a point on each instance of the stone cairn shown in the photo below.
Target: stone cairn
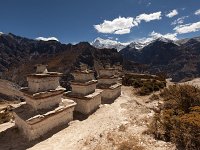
{"x": 44, "y": 108}
{"x": 84, "y": 91}
{"x": 109, "y": 82}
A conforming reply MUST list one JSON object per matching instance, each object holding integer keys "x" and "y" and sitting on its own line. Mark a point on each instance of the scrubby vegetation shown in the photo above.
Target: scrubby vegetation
{"x": 179, "y": 118}
{"x": 5, "y": 115}
{"x": 122, "y": 141}
{"x": 146, "y": 84}
{"x": 149, "y": 86}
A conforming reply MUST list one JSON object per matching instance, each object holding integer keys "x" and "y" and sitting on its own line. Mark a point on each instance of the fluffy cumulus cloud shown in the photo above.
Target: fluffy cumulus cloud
{"x": 187, "y": 28}
{"x": 172, "y": 13}
{"x": 124, "y": 25}
{"x": 119, "y": 25}
{"x": 47, "y": 39}
{"x": 197, "y": 12}
{"x": 179, "y": 20}
{"x": 148, "y": 17}
{"x": 171, "y": 36}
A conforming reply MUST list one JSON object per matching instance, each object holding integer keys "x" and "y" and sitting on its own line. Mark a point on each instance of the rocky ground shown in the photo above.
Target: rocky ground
{"x": 120, "y": 125}
{"x": 9, "y": 94}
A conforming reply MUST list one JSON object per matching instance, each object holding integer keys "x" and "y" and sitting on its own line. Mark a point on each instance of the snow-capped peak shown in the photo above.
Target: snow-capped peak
{"x": 108, "y": 43}
{"x": 138, "y": 45}
{"x": 163, "y": 39}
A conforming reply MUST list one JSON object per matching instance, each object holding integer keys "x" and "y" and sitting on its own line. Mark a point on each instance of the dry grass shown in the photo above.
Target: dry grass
{"x": 179, "y": 119}
{"x": 124, "y": 142}
{"x": 154, "y": 97}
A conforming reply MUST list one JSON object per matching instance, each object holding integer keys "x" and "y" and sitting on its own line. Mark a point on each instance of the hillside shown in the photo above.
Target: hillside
{"x": 19, "y": 55}
{"x": 179, "y": 60}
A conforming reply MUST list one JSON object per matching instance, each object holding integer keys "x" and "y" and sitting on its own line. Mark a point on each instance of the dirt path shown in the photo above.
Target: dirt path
{"x": 113, "y": 126}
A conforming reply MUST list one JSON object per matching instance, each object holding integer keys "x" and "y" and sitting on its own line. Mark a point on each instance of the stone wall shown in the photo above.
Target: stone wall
{"x": 83, "y": 89}
{"x": 110, "y": 94}
{"x": 35, "y": 130}
{"x": 87, "y": 104}
{"x": 143, "y": 76}
{"x": 83, "y": 77}
{"x": 42, "y": 84}
{"x": 106, "y": 72}
{"x": 107, "y": 80}
{"x": 43, "y": 103}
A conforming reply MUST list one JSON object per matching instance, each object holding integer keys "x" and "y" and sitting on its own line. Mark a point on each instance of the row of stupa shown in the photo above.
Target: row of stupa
{"x": 48, "y": 105}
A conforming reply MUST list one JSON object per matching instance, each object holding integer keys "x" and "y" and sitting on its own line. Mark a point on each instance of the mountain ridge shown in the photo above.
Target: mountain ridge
{"x": 178, "y": 61}
{"x": 19, "y": 55}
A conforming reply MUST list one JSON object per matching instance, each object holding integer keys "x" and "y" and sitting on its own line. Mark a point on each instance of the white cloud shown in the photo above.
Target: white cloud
{"x": 47, "y": 39}
{"x": 179, "y": 20}
{"x": 172, "y": 13}
{"x": 148, "y": 17}
{"x": 171, "y": 36}
{"x": 118, "y": 25}
{"x": 197, "y": 12}
{"x": 124, "y": 25}
{"x": 187, "y": 28}
{"x": 1, "y": 33}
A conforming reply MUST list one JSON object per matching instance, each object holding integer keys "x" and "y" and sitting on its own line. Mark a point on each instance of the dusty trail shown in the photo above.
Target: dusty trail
{"x": 111, "y": 127}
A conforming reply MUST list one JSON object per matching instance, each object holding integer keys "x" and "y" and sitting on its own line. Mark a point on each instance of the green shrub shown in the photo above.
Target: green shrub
{"x": 137, "y": 83}
{"x": 150, "y": 86}
{"x": 179, "y": 119}
{"x": 146, "y": 83}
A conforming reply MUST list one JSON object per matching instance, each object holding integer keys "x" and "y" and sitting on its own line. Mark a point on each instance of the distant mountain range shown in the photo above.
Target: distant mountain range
{"x": 179, "y": 60}
{"x": 19, "y": 55}
{"x": 108, "y": 43}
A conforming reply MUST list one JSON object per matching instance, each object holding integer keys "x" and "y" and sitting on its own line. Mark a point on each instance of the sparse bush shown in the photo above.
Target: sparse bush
{"x": 154, "y": 97}
{"x": 6, "y": 114}
{"x": 124, "y": 141}
{"x": 137, "y": 83}
{"x": 146, "y": 83}
{"x": 130, "y": 144}
{"x": 5, "y": 117}
{"x": 179, "y": 119}
{"x": 150, "y": 86}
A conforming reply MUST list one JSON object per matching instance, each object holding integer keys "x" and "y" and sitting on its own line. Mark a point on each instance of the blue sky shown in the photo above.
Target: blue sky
{"x": 72, "y": 21}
